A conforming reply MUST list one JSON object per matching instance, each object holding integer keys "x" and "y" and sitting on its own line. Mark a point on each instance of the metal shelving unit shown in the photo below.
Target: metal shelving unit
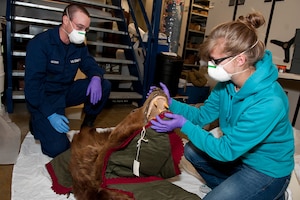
{"x": 195, "y": 32}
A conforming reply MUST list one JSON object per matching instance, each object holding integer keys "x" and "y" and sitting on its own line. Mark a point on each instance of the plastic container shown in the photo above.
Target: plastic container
{"x": 168, "y": 70}
{"x": 281, "y": 68}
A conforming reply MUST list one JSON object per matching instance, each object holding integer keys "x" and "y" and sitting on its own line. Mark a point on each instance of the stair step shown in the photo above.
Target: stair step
{"x": 120, "y": 77}
{"x": 56, "y": 23}
{"x": 113, "y": 60}
{"x": 18, "y": 73}
{"x": 93, "y": 3}
{"x": 19, "y": 53}
{"x": 105, "y": 44}
{"x": 19, "y": 95}
{"x": 22, "y": 35}
{"x": 107, "y": 30}
{"x": 30, "y": 36}
{"x": 98, "y": 59}
{"x": 39, "y": 5}
{"x": 125, "y": 95}
{"x": 39, "y": 21}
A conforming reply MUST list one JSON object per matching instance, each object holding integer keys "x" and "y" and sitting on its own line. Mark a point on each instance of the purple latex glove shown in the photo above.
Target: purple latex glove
{"x": 59, "y": 122}
{"x": 167, "y": 125}
{"x": 164, "y": 88}
{"x": 94, "y": 90}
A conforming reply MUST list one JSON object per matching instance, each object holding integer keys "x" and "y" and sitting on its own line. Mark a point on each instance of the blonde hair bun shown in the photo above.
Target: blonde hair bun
{"x": 254, "y": 20}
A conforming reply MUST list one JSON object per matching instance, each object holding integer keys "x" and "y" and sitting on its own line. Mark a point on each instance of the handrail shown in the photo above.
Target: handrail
{"x": 150, "y": 50}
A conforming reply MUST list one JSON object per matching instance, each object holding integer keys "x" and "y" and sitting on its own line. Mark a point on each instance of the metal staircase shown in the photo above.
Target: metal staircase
{"x": 25, "y": 18}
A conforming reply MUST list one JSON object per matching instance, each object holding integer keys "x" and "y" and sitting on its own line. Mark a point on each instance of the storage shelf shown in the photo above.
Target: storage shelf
{"x": 200, "y": 6}
{"x": 199, "y": 14}
{"x": 195, "y": 32}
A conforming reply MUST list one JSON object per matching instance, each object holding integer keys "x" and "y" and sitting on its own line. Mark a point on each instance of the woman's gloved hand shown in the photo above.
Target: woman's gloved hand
{"x": 94, "y": 90}
{"x": 164, "y": 88}
{"x": 167, "y": 125}
{"x": 59, "y": 122}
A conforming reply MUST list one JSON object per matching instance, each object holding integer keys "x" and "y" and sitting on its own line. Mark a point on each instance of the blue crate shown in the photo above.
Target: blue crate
{"x": 195, "y": 94}
{"x": 162, "y": 48}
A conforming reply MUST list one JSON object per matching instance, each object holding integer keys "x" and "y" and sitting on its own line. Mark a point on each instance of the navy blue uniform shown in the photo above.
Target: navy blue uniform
{"x": 50, "y": 70}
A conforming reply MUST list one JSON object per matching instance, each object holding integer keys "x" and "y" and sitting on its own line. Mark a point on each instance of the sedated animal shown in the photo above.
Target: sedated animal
{"x": 88, "y": 149}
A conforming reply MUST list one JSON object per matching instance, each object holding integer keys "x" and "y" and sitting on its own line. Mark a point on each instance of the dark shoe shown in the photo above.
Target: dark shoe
{"x": 89, "y": 120}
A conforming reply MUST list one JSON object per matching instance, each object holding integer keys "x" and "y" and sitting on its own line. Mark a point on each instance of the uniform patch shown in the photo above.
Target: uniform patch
{"x": 54, "y": 61}
{"x": 76, "y": 60}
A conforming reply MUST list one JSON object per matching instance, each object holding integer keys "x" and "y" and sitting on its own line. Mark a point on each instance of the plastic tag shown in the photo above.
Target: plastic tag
{"x": 136, "y": 168}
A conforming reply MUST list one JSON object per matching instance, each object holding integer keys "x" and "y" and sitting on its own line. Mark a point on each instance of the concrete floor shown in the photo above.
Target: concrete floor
{"x": 109, "y": 117}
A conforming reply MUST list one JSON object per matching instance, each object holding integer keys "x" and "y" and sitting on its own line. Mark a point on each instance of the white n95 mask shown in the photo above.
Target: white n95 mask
{"x": 77, "y": 37}
{"x": 217, "y": 72}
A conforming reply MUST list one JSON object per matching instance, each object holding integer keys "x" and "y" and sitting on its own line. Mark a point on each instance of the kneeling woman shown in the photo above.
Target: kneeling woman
{"x": 254, "y": 157}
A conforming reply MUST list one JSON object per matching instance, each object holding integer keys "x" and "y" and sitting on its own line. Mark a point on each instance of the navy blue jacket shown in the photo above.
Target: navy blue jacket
{"x": 50, "y": 70}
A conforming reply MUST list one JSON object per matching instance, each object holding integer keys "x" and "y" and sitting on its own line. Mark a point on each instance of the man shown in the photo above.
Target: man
{"x": 52, "y": 60}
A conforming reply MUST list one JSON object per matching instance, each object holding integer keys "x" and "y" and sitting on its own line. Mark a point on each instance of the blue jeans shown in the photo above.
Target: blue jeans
{"x": 235, "y": 180}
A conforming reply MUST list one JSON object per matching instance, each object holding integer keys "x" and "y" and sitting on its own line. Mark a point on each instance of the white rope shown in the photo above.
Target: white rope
{"x": 136, "y": 163}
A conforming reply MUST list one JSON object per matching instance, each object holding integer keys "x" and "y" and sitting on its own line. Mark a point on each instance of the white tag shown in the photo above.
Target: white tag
{"x": 136, "y": 168}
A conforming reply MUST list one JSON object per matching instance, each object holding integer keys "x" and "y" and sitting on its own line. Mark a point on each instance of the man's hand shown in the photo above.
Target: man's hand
{"x": 94, "y": 90}
{"x": 167, "y": 125}
{"x": 59, "y": 123}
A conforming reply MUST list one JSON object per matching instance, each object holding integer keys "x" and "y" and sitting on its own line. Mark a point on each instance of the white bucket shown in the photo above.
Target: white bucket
{"x": 2, "y": 76}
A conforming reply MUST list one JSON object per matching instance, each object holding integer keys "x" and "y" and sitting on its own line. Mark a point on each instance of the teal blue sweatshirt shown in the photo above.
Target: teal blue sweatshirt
{"x": 254, "y": 122}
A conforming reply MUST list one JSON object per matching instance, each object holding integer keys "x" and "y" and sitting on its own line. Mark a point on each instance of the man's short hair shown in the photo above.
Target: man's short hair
{"x": 72, "y": 8}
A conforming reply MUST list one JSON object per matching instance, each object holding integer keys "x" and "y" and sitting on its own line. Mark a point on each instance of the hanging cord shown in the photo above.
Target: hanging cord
{"x": 136, "y": 163}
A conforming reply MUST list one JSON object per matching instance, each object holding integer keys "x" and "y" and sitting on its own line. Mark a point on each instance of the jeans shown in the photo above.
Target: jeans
{"x": 235, "y": 180}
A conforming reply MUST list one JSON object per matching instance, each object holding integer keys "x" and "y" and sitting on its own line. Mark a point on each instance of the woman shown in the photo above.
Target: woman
{"x": 253, "y": 159}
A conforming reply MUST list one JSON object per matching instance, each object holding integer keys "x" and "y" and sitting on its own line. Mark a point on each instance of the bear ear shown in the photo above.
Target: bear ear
{"x": 157, "y": 105}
